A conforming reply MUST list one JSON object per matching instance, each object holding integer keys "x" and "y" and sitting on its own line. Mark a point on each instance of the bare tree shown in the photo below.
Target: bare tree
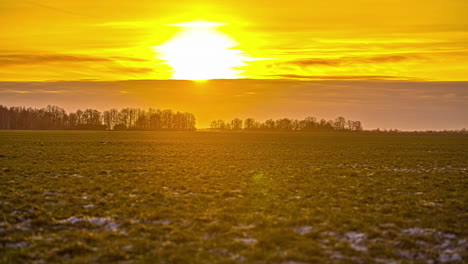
{"x": 236, "y": 124}
{"x": 249, "y": 123}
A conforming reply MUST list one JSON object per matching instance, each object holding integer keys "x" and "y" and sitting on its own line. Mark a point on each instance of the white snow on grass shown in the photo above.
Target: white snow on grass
{"x": 106, "y": 222}
{"x": 247, "y": 240}
{"x": 356, "y": 240}
{"x": 302, "y": 230}
{"x": 18, "y": 245}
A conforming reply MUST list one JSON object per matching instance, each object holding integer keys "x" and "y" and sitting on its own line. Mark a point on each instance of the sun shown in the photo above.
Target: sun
{"x": 199, "y": 51}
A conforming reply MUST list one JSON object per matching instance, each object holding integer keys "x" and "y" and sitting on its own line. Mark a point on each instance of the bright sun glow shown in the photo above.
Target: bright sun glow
{"x": 199, "y": 51}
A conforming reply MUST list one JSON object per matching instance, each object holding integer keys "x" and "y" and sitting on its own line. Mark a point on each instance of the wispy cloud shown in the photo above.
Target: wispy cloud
{"x": 336, "y": 62}
{"x": 128, "y": 59}
{"x": 130, "y": 70}
{"x": 127, "y": 24}
{"x": 14, "y": 59}
{"x": 34, "y": 91}
{"x": 18, "y": 59}
{"x": 341, "y": 77}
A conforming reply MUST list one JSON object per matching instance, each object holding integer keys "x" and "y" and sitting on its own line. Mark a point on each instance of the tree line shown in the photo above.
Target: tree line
{"x": 54, "y": 117}
{"x": 286, "y": 124}
{"x": 444, "y": 131}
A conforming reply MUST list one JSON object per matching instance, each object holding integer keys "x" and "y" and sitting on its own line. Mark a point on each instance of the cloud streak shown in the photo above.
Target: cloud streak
{"x": 341, "y": 77}
{"x": 345, "y": 61}
{"x": 25, "y": 59}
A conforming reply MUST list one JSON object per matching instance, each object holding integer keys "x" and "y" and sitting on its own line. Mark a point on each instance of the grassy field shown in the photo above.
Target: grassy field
{"x": 203, "y": 197}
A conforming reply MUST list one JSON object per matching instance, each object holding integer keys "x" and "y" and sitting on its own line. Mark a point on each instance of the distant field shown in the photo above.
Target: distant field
{"x": 207, "y": 197}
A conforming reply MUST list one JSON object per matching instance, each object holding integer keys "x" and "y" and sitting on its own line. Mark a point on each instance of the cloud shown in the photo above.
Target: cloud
{"x": 310, "y": 62}
{"x": 341, "y": 77}
{"x": 34, "y": 91}
{"x": 22, "y": 59}
{"x": 336, "y": 62}
{"x": 387, "y": 58}
{"x": 19, "y": 59}
{"x": 131, "y": 69}
{"x": 128, "y": 59}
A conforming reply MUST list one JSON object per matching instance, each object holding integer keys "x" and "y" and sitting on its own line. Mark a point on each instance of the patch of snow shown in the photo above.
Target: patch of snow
{"x": 35, "y": 150}
{"x": 113, "y": 226}
{"x": 302, "y": 230}
{"x": 449, "y": 256}
{"x": 163, "y": 222}
{"x": 416, "y": 231}
{"x": 334, "y": 255}
{"x": 387, "y": 225}
{"x": 23, "y": 226}
{"x": 107, "y": 222}
{"x": 411, "y": 254}
{"x": 356, "y": 240}
{"x": 332, "y": 234}
{"x": 385, "y": 261}
{"x": 247, "y": 240}
{"x": 237, "y": 258}
{"x": 405, "y": 170}
{"x": 18, "y": 245}
{"x": 449, "y": 236}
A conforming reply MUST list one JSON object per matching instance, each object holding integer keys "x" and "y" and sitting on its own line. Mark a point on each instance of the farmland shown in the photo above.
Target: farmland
{"x": 227, "y": 197}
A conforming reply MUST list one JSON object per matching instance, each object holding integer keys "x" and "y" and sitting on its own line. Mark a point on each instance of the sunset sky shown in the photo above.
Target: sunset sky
{"x": 388, "y": 63}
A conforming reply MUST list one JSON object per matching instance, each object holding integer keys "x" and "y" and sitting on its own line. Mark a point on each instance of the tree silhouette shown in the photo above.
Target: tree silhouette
{"x": 236, "y": 124}
{"x": 289, "y": 125}
{"x": 53, "y": 117}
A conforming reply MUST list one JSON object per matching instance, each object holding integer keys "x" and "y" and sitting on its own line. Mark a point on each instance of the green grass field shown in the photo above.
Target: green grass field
{"x": 207, "y": 197}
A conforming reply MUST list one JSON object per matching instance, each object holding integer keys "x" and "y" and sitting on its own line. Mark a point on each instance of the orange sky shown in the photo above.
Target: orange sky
{"x": 405, "y": 42}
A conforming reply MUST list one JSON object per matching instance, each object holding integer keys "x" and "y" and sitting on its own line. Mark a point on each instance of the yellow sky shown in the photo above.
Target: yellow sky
{"x": 304, "y": 40}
